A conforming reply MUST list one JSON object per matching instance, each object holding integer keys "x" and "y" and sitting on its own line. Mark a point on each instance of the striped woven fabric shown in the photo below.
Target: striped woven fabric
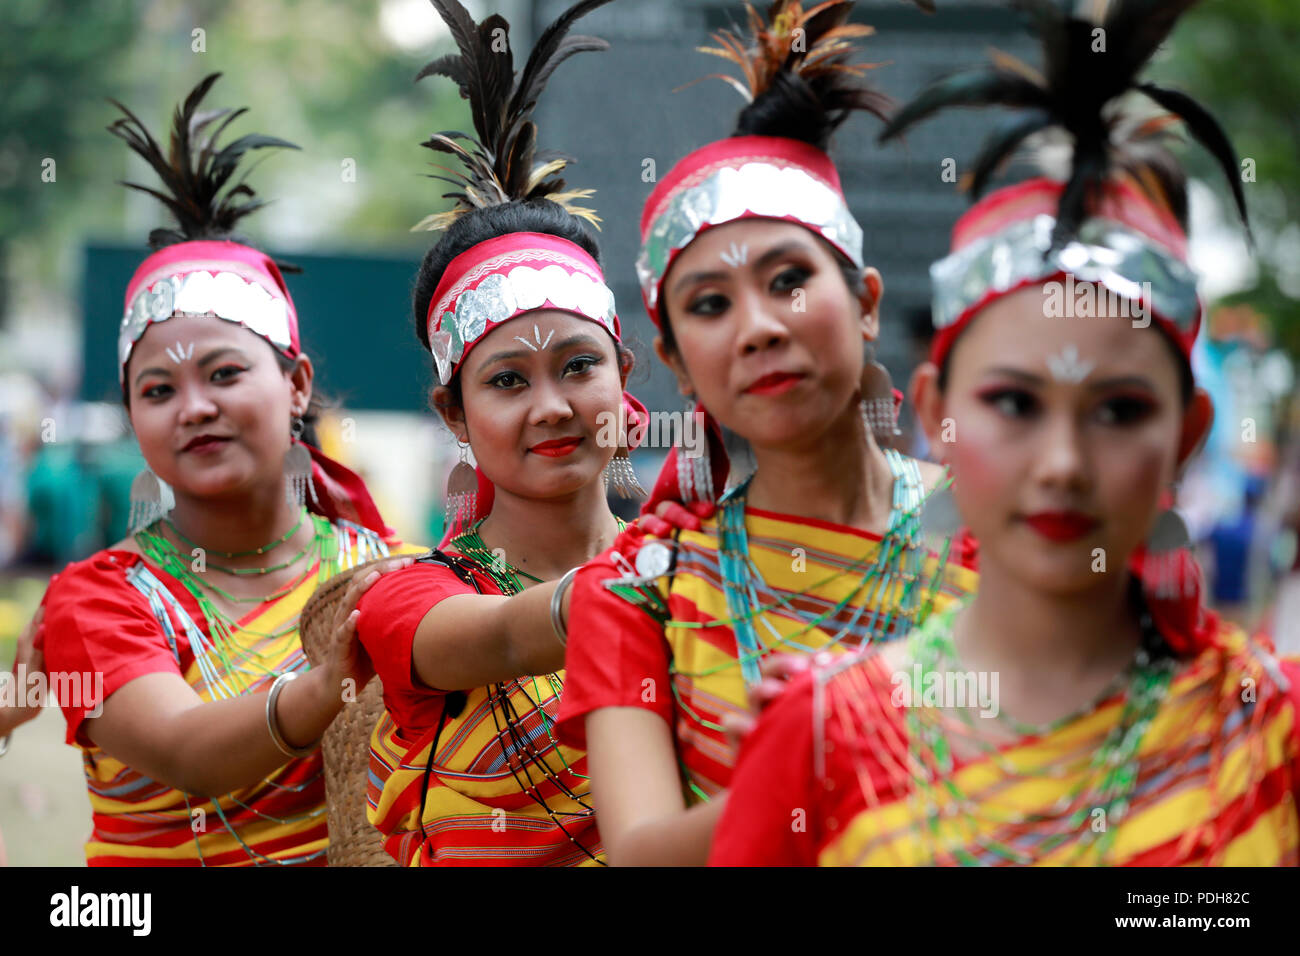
{"x": 500, "y": 792}
{"x": 686, "y": 669}
{"x": 116, "y": 614}
{"x": 477, "y": 812}
{"x": 820, "y": 744}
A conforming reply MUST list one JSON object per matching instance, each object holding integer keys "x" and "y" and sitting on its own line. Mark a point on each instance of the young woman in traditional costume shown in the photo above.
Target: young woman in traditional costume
{"x": 185, "y": 682}
{"x": 465, "y": 767}
{"x": 751, "y": 267}
{"x": 1128, "y": 724}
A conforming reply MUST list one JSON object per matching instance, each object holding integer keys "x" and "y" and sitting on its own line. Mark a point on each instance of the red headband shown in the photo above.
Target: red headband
{"x": 1130, "y": 246}
{"x": 495, "y": 281}
{"x": 742, "y": 177}
{"x": 229, "y": 280}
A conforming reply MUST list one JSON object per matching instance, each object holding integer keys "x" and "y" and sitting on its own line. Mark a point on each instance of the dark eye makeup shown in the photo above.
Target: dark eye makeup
{"x": 1125, "y": 409}
{"x": 1009, "y": 400}
{"x": 789, "y": 279}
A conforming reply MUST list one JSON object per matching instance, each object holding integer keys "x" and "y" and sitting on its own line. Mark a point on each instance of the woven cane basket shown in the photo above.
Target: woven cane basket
{"x": 346, "y": 744}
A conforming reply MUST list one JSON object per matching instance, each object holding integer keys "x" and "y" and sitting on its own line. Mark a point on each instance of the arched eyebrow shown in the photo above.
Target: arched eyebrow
{"x": 758, "y": 265}
{"x": 215, "y": 354}
{"x": 207, "y": 359}
{"x": 1117, "y": 381}
{"x": 579, "y": 338}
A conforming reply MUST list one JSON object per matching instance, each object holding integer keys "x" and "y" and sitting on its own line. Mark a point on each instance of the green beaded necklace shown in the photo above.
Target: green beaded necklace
{"x": 1106, "y": 785}
{"x": 495, "y": 566}
{"x": 221, "y": 627}
{"x": 264, "y": 549}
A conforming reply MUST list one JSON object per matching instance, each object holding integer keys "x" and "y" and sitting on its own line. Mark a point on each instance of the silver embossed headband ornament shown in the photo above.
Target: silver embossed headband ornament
{"x": 1120, "y": 259}
{"x": 743, "y": 177}
{"x": 508, "y": 276}
{"x": 227, "y": 280}
{"x": 1130, "y": 249}
{"x": 225, "y": 295}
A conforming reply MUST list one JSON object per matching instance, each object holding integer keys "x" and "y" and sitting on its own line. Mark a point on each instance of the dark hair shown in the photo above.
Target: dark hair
{"x": 810, "y": 111}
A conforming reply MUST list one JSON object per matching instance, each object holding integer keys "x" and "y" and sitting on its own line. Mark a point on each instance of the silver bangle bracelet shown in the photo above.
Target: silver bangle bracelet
{"x": 557, "y": 604}
{"x": 273, "y": 723}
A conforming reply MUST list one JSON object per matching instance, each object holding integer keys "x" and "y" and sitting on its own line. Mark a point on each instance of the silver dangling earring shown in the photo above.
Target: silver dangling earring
{"x": 621, "y": 476}
{"x": 694, "y": 475}
{"x": 879, "y": 414}
{"x": 297, "y": 467}
{"x": 619, "y": 473}
{"x": 462, "y": 493}
{"x": 151, "y": 499}
{"x": 1169, "y": 570}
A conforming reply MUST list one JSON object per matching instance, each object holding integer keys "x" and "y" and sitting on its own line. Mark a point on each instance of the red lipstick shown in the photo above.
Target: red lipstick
{"x": 556, "y": 447}
{"x": 1061, "y": 525}
{"x": 774, "y": 383}
{"x": 205, "y": 444}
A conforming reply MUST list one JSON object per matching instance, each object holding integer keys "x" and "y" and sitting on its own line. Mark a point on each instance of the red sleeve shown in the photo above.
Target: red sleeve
{"x": 99, "y": 635}
{"x": 772, "y": 816}
{"x": 616, "y": 654}
{"x": 391, "y": 611}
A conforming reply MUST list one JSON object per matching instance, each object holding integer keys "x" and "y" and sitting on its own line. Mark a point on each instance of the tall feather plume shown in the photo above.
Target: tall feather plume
{"x": 796, "y": 72}
{"x": 196, "y": 171}
{"x": 501, "y": 162}
{"x": 1093, "y": 53}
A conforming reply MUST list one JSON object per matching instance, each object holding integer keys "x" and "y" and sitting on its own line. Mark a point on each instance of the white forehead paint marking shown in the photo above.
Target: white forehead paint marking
{"x": 180, "y": 354}
{"x": 736, "y": 255}
{"x": 1068, "y": 366}
{"x": 537, "y": 337}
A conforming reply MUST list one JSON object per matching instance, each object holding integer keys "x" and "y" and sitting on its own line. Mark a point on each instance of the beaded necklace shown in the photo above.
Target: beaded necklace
{"x": 896, "y": 562}
{"x": 739, "y": 573}
{"x": 221, "y": 626}
{"x": 264, "y": 549}
{"x": 507, "y": 719}
{"x": 1107, "y": 773}
{"x": 355, "y": 545}
{"x": 472, "y": 546}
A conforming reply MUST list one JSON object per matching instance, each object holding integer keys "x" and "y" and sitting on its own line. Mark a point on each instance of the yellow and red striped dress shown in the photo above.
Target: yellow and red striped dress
{"x": 1218, "y": 771}
{"x": 499, "y": 789}
{"x": 686, "y": 669}
{"x": 118, "y": 615}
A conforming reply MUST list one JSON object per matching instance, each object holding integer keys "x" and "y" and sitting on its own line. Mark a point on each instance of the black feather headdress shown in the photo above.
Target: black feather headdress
{"x": 1093, "y": 53}
{"x": 502, "y": 164}
{"x": 797, "y": 75}
{"x": 196, "y": 171}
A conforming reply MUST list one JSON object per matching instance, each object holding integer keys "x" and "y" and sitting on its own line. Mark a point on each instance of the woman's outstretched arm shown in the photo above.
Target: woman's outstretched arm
{"x": 637, "y": 789}
{"x": 159, "y": 726}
